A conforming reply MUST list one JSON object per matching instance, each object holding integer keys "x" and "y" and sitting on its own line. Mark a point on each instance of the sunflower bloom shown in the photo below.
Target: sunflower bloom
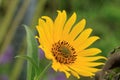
{"x": 66, "y": 44}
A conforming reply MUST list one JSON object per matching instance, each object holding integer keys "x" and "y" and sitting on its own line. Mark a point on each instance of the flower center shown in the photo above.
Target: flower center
{"x": 63, "y": 52}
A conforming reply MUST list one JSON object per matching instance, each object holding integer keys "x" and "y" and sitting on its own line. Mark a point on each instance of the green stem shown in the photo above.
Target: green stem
{"x": 14, "y": 25}
{"x": 7, "y": 19}
{"x": 17, "y": 67}
{"x": 42, "y": 73}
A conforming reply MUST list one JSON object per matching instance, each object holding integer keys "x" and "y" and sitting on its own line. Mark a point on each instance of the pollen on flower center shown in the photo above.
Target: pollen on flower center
{"x": 64, "y": 52}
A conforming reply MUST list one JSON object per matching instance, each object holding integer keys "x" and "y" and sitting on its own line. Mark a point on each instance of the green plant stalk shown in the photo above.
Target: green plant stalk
{"x": 17, "y": 67}
{"x": 8, "y": 18}
{"x": 0, "y": 2}
{"x": 29, "y": 54}
{"x": 29, "y": 59}
{"x": 32, "y": 53}
{"x": 42, "y": 73}
{"x": 14, "y": 25}
{"x": 38, "y": 12}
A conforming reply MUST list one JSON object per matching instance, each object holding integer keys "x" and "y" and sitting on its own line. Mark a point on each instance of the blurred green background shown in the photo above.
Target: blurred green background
{"x": 101, "y": 15}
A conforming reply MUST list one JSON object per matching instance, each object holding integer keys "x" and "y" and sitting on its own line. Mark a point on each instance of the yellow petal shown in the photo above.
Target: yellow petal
{"x": 77, "y": 29}
{"x": 89, "y": 52}
{"x": 88, "y": 42}
{"x": 82, "y": 37}
{"x": 68, "y": 25}
{"x": 61, "y": 24}
{"x": 86, "y": 59}
{"x": 66, "y": 72}
{"x": 46, "y": 30}
{"x": 41, "y": 42}
{"x": 61, "y": 67}
{"x": 75, "y": 74}
{"x": 47, "y": 52}
{"x": 41, "y": 32}
{"x": 93, "y": 70}
{"x": 49, "y": 23}
{"x": 92, "y": 64}
{"x": 82, "y": 72}
{"x": 55, "y": 65}
{"x": 57, "y": 22}
{"x": 42, "y": 39}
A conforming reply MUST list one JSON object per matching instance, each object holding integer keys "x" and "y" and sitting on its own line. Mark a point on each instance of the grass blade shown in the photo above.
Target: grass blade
{"x": 32, "y": 52}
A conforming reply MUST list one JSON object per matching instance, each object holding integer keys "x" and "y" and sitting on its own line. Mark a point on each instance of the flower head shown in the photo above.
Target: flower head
{"x": 66, "y": 44}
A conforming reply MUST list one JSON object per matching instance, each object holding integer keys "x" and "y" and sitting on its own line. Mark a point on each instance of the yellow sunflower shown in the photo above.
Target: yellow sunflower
{"x": 65, "y": 43}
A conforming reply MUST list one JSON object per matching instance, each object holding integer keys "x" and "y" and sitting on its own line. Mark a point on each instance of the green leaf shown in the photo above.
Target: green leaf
{"x": 30, "y": 60}
{"x": 32, "y": 52}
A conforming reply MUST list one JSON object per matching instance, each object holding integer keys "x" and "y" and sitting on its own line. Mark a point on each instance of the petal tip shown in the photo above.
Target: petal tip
{"x": 58, "y": 11}
{"x": 74, "y": 14}
{"x": 36, "y": 37}
{"x": 84, "y": 20}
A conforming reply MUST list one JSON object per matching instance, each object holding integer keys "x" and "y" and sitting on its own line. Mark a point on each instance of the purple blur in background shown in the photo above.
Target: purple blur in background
{"x": 41, "y": 54}
{"x": 52, "y": 75}
{"x": 7, "y": 56}
{"x": 4, "y": 77}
